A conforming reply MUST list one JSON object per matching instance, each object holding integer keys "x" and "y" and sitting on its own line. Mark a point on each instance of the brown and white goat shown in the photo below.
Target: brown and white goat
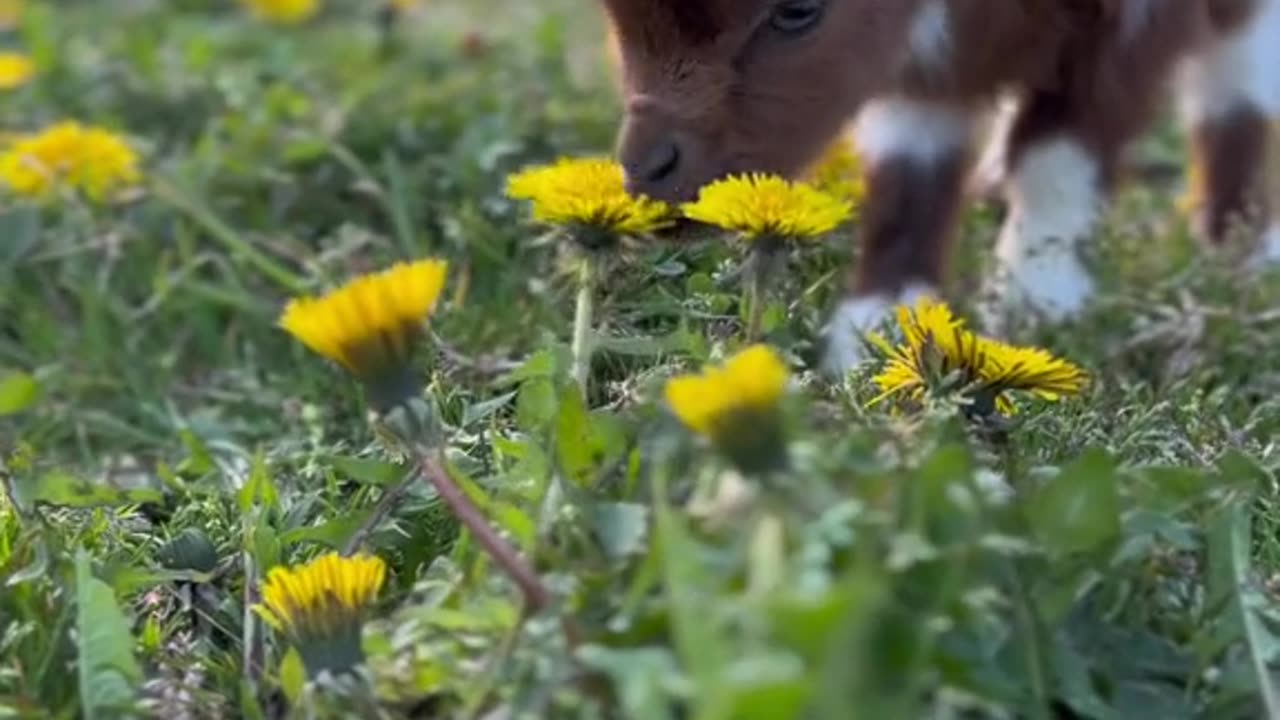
{"x": 714, "y": 87}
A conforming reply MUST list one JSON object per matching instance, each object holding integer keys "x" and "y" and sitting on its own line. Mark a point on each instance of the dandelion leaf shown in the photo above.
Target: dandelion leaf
{"x": 108, "y": 672}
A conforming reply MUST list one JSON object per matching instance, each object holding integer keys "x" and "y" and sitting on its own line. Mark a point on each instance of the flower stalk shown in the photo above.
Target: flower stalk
{"x": 583, "y": 317}
{"x": 763, "y": 256}
{"x": 754, "y": 296}
{"x": 507, "y": 557}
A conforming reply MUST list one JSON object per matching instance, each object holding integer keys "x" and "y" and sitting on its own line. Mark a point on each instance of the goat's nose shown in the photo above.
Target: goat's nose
{"x": 656, "y": 163}
{"x": 651, "y": 168}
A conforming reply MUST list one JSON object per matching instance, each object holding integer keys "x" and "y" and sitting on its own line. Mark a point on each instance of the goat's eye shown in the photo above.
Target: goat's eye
{"x": 796, "y": 16}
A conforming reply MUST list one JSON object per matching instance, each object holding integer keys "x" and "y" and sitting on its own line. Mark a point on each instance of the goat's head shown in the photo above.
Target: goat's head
{"x": 714, "y": 87}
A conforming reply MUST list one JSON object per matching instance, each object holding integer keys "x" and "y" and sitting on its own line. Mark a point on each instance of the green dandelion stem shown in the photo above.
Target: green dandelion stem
{"x": 249, "y": 641}
{"x": 507, "y": 557}
{"x": 768, "y": 554}
{"x": 754, "y": 295}
{"x": 583, "y": 315}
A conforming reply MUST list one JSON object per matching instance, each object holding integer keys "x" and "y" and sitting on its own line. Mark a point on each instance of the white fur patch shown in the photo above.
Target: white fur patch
{"x": 1235, "y": 70}
{"x": 1268, "y": 252}
{"x": 1054, "y": 202}
{"x": 857, "y": 316}
{"x": 930, "y": 36}
{"x": 921, "y": 131}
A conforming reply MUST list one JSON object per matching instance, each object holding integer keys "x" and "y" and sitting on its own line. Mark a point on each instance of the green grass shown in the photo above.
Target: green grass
{"x": 1131, "y": 572}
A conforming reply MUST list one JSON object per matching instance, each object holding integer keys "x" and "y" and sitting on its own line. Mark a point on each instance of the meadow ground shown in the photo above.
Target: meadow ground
{"x": 164, "y": 443}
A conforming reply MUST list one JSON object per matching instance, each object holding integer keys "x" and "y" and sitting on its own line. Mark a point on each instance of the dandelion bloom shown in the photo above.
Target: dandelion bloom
{"x": 283, "y": 12}
{"x": 369, "y": 325}
{"x": 320, "y": 607}
{"x": 1031, "y": 369}
{"x": 587, "y": 193}
{"x": 939, "y": 349}
{"x": 69, "y": 155}
{"x": 16, "y": 70}
{"x": 766, "y": 206}
{"x": 735, "y": 405}
{"x": 839, "y": 172}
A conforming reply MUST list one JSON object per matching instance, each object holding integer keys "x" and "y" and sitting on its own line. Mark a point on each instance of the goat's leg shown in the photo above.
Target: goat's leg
{"x": 918, "y": 155}
{"x": 1228, "y": 91}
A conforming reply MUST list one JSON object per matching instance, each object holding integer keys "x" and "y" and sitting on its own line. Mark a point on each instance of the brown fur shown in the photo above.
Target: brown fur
{"x": 1231, "y": 156}
{"x": 906, "y": 223}
{"x": 712, "y": 90}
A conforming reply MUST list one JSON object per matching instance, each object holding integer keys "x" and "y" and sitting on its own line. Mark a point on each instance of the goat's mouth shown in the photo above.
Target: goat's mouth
{"x": 681, "y": 230}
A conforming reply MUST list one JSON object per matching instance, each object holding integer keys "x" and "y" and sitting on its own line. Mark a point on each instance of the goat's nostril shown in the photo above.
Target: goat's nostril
{"x": 661, "y": 163}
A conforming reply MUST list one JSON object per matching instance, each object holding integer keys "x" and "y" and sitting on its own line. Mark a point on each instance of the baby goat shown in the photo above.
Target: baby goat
{"x": 714, "y": 87}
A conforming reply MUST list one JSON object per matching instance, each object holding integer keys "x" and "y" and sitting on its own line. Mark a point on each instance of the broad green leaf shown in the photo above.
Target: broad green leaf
{"x": 584, "y": 441}
{"x": 1078, "y": 510}
{"x": 1074, "y": 681}
{"x": 1154, "y": 701}
{"x": 293, "y": 675}
{"x": 516, "y": 521}
{"x": 18, "y": 391}
{"x": 805, "y": 621}
{"x": 250, "y": 708}
{"x": 621, "y": 528}
{"x": 108, "y": 672}
{"x": 333, "y": 533}
{"x": 128, "y": 580}
{"x": 633, "y": 346}
{"x": 367, "y": 471}
{"x": 1231, "y": 579}
{"x": 190, "y": 549}
{"x": 20, "y": 228}
{"x": 199, "y": 460}
{"x": 482, "y": 410}
{"x": 1242, "y": 472}
{"x": 771, "y": 693}
{"x": 266, "y": 544}
{"x": 1168, "y": 488}
{"x": 540, "y": 365}
{"x": 937, "y": 491}
{"x": 259, "y": 488}
{"x": 36, "y": 569}
{"x": 700, "y": 284}
{"x": 701, "y": 642}
{"x": 536, "y": 405}
{"x": 642, "y": 677}
{"x": 66, "y": 490}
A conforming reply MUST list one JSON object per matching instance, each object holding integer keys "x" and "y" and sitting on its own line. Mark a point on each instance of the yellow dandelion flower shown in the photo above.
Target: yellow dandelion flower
{"x": 16, "y": 70}
{"x": 368, "y": 326}
{"x": 735, "y": 405}
{"x": 69, "y": 155}
{"x": 839, "y": 172}
{"x": 937, "y": 347}
{"x": 758, "y": 206}
{"x": 936, "y": 342}
{"x": 283, "y": 12}
{"x": 1031, "y": 369}
{"x": 320, "y": 607}
{"x": 587, "y": 193}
